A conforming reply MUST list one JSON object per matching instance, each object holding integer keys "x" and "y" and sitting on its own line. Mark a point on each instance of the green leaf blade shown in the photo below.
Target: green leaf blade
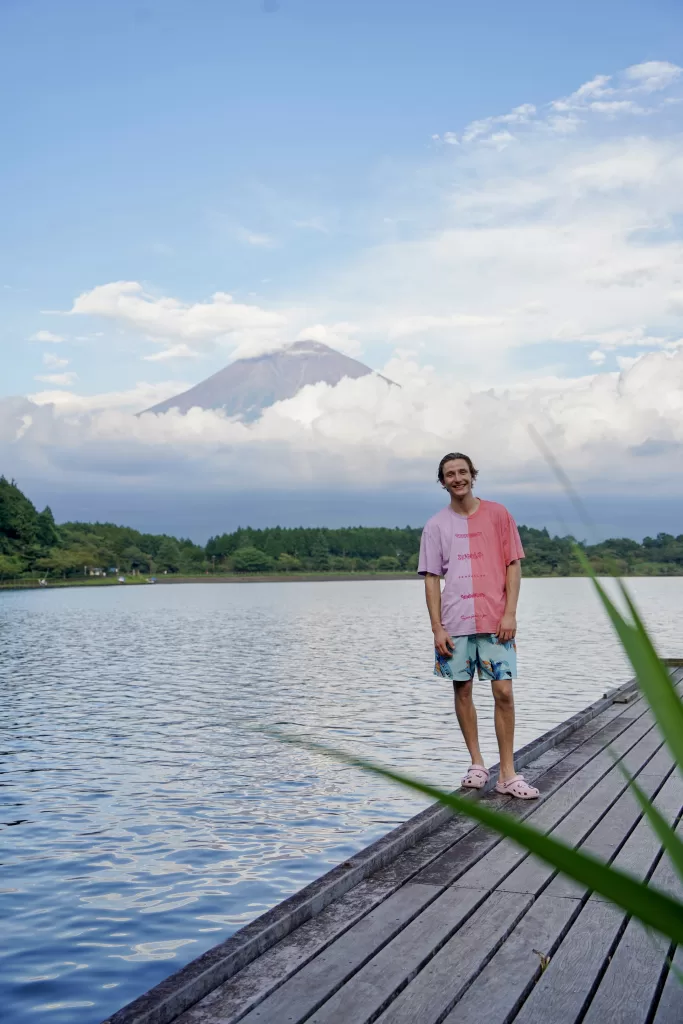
{"x": 660, "y": 826}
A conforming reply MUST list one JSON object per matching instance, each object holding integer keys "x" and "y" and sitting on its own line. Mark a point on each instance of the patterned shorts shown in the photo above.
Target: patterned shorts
{"x": 481, "y": 651}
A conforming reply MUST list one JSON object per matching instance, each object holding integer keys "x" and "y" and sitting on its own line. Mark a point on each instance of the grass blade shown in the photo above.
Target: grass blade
{"x": 658, "y": 687}
{"x": 660, "y": 826}
{"x": 653, "y": 908}
{"x": 653, "y": 677}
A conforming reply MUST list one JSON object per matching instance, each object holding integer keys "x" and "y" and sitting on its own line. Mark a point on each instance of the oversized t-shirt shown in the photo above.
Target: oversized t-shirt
{"x": 473, "y": 553}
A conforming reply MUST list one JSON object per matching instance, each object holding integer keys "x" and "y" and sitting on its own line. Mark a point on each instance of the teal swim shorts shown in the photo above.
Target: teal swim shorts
{"x": 481, "y": 651}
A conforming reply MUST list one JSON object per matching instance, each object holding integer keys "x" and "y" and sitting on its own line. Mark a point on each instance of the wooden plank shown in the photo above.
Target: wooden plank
{"x": 250, "y": 986}
{"x": 438, "y": 986}
{"x": 504, "y": 857}
{"x": 612, "y": 833}
{"x": 314, "y": 983}
{"x": 307, "y": 945}
{"x": 632, "y": 980}
{"x": 504, "y": 983}
{"x": 627, "y": 991}
{"x": 379, "y": 977}
{"x": 563, "y": 990}
{"x": 670, "y": 1008}
{"x": 600, "y": 823}
{"x": 642, "y": 846}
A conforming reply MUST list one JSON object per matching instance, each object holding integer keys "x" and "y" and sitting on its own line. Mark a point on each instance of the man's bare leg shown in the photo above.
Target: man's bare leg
{"x": 504, "y": 718}
{"x": 466, "y": 714}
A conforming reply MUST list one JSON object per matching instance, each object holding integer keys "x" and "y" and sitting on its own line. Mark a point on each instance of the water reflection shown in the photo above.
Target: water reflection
{"x": 145, "y": 819}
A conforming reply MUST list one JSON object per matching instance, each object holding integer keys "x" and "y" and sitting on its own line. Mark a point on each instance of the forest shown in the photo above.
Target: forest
{"x": 32, "y": 544}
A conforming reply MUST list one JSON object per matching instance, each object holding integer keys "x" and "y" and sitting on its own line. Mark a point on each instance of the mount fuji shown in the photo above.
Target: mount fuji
{"x": 248, "y": 386}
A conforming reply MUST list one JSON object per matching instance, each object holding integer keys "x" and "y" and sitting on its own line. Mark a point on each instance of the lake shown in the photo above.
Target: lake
{"x": 146, "y": 816}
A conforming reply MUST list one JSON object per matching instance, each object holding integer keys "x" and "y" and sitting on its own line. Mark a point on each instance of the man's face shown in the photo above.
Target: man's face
{"x": 457, "y": 478}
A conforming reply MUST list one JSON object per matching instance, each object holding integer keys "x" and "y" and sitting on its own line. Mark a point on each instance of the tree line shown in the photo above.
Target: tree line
{"x": 31, "y": 544}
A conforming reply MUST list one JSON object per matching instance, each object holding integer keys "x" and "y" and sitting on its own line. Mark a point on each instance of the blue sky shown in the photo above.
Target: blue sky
{"x": 366, "y": 173}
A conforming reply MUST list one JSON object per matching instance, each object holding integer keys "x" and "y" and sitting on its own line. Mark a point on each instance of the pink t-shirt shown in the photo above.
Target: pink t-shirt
{"x": 473, "y": 553}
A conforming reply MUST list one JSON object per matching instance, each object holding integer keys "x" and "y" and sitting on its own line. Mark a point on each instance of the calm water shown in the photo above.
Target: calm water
{"x": 144, "y": 816}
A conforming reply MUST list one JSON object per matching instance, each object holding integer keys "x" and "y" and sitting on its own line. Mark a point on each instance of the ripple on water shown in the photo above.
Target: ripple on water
{"x": 145, "y": 818}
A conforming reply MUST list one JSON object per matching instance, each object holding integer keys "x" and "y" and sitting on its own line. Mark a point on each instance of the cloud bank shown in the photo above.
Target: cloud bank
{"x": 613, "y": 431}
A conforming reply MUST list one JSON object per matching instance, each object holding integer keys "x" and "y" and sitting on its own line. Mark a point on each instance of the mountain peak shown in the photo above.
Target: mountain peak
{"x": 247, "y": 386}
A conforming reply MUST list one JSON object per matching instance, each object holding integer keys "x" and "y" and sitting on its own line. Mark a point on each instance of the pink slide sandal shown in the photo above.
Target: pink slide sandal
{"x": 476, "y": 778}
{"x": 516, "y": 786}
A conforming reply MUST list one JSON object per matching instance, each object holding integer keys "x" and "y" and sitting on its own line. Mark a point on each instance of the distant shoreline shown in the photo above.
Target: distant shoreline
{"x": 300, "y": 577}
{"x": 136, "y": 581}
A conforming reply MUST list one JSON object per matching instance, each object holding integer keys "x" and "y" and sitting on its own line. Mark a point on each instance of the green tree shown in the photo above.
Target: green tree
{"x": 288, "y": 563}
{"x": 11, "y": 566}
{"x": 388, "y": 563}
{"x": 320, "y": 554}
{"x": 251, "y": 560}
{"x": 192, "y": 558}
{"x": 46, "y": 530}
{"x": 18, "y": 519}
{"x": 340, "y": 564}
{"x": 64, "y": 561}
{"x": 136, "y": 559}
{"x": 168, "y": 556}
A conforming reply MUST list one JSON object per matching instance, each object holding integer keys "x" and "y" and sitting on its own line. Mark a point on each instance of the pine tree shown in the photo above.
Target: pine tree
{"x": 47, "y": 532}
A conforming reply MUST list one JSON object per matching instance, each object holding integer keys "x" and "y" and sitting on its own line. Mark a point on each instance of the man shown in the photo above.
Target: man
{"x": 475, "y": 544}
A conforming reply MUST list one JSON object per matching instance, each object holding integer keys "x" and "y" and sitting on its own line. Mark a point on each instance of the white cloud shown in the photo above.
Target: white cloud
{"x": 598, "y": 357}
{"x": 419, "y": 324}
{"x": 630, "y": 92}
{"x": 46, "y": 336}
{"x": 653, "y": 75}
{"x": 162, "y": 319}
{"x": 482, "y": 129}
{"x": 339, "y": 336}
{"x": 626, "y": 362}
{"x": 24, "y": 424}
{"x": 256, "y": 238}
{"x": 54, "y": 362}
{"x": 181, "y": 351}
{"x": 58, "y": 379}
{"x": 133, "y": 400}
{"x": 312, "y": 224}
{"x": 553, "y": 240}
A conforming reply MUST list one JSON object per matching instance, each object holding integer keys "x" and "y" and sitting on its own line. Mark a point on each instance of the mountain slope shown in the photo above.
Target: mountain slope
{"x": 248, "y": 386}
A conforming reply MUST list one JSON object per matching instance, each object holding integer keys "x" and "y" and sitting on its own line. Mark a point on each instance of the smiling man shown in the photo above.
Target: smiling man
{"x": 476, "y": 546}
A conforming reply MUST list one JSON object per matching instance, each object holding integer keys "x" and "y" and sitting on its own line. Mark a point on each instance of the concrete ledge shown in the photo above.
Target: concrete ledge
{"x": 174, "y": 995}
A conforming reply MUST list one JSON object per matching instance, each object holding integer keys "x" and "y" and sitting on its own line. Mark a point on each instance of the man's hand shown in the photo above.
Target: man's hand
{"x": 443, "y": 642}
{"x": 507, "y": 629}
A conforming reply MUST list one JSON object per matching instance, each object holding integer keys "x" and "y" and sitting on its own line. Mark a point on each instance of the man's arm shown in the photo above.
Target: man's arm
{"x": 508, "y": 624}
{"x": 442, "y": 640}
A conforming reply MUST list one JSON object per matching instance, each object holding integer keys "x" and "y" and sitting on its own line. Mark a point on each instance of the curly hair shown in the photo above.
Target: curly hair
{"x": 457, "y": 455}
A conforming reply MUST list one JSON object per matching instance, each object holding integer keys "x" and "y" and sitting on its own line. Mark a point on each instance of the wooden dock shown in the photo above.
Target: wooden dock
{"x": 444, "y": 921}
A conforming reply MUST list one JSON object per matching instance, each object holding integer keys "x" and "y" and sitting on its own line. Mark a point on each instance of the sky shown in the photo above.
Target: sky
{"x": 483, "y": 202}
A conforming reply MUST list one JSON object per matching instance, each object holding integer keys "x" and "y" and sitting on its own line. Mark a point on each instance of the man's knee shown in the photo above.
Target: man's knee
{"x": 502, "y": 692}
{"x": 463, "y": 691}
